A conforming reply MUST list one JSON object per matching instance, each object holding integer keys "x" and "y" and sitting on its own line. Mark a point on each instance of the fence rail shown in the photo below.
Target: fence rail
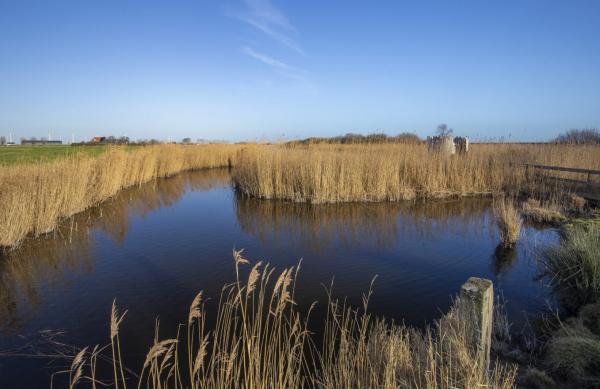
{"x": 564, "y": 169}
{"x": 588, "y": 189}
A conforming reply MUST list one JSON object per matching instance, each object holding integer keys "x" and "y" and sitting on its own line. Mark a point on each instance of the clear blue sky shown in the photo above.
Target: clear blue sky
{"x": 261, "y": 69}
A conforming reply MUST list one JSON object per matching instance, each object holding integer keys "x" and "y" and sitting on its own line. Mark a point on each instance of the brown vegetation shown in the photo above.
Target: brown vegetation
{"x": 261, "y": 340}
{"x": 391, "y": 172}
{"x": 35, "y": 197}
{"x": 509, "y": 222}
{"x": 550, "y": 213}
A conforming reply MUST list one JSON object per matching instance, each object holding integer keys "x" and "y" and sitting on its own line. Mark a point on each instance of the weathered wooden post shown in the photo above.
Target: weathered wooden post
{"x": 477, "y": 305}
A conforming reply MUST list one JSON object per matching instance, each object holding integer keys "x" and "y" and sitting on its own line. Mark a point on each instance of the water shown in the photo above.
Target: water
{"x": 154, "y": 247}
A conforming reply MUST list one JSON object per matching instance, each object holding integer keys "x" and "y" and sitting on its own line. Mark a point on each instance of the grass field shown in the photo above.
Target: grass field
{"x": 11, "y": 155}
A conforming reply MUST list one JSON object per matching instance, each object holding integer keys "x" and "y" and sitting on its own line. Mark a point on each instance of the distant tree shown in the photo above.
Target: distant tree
{"x": 443, "y": 130}
{"x": 2, "y": 140}
{"x": 575, "y": 136}
{"x": 123, "y": 140}
{"x": 186, "y": 141}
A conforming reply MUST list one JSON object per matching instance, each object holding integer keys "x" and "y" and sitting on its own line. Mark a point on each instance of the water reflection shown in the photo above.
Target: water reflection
{"x": 503, "y": 259}
{"x": 378, "y": 224}
{"x": 48, "y": 263}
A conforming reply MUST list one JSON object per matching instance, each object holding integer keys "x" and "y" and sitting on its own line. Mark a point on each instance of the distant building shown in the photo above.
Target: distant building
{"x": 40, "y": 142}
{"x": 448, "y": 144}
{"x": 98, "y": 139}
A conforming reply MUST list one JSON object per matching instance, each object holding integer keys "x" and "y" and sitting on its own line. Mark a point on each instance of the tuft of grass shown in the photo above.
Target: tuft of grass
{"x": 577, "y": 204}
{"x": 550, "y": 214}
{"x": 262, "y": 340}
{"x": 533, "y": 378}
{"x": 509, "y": 222}
{"x": 573, "y": 354}
{"x": 573, "y": 265}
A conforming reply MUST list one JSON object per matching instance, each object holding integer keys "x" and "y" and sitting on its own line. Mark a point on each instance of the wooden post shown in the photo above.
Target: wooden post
{"x": 477, "y": 305}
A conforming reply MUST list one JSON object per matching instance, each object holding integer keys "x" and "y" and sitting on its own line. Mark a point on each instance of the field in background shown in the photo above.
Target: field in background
{"x": 11, "y": 155}
{"x": 391, "y": 172}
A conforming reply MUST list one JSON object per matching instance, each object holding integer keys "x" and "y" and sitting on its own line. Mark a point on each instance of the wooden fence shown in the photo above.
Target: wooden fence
{"x": 587, "y": 187}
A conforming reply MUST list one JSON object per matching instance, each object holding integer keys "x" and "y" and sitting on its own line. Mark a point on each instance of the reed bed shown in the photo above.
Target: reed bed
{"x": 262, "y": 340}
{"x": 392, "y": 172}
{"x": 34, "y": 198}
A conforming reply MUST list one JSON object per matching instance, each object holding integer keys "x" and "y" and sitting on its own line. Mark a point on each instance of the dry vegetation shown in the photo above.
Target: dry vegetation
{"x": 391, "y": 172}
{"x": 35, "y": 197}
{"x": 550, "y": 213}
{"x": 509, "y": 222}
{"x": 261, "y": 340}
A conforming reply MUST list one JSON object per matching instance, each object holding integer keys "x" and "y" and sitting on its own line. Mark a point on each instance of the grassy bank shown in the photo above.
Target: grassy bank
{"x": 262, "y": 340}
{"x": 391, "y": 172}
{"x": 13, "y": 155}
{"x": 35, "y": 197}
{"x": 567, "y": 350}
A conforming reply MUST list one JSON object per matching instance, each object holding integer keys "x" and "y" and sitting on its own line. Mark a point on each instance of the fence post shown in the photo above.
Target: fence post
{"x": 477, "y": 304}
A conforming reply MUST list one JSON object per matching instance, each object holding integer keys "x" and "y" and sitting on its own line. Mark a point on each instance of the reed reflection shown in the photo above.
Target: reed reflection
{"x": 49, "y": 261}
{"x": 503, "y": 259}
{"x": 379, "y": 224}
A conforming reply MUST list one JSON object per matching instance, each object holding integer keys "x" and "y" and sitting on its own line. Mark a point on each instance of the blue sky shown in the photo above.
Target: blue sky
{"x": 258, "y": 69}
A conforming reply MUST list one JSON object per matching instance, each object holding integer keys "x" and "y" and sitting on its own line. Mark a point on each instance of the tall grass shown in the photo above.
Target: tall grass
{"x": 573, "y": 265}
{"x": 509, "y": 222}
{"x": 390, "y": 172}
{"x": 34, "y": 198}
{"x": 262, "y": 340}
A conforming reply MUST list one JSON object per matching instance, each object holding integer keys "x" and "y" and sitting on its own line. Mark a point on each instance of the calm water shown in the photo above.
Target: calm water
{"x": 153, "y": 248}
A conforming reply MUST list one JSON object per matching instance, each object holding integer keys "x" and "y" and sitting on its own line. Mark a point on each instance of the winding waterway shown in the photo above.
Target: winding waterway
{"x": 154, "y": 247}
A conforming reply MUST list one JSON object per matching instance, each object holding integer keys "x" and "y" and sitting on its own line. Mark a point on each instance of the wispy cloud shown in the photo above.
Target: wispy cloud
{"x": 265, "y": 17}
{"x": 276, "y": 64}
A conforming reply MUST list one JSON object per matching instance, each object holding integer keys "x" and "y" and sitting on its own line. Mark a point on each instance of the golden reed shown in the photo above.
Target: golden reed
{"x": 34, "y": 198}
{"x": 261, "y": 339}
{"x": 391, "y": 172}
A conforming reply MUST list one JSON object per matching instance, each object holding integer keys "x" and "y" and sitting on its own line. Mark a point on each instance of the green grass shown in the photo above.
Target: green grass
{"x": 12, "y": 155}
{"x": 574, "y": 264}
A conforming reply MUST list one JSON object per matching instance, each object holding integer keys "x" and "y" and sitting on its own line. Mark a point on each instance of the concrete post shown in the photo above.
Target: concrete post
{"x": 477, "y": 304}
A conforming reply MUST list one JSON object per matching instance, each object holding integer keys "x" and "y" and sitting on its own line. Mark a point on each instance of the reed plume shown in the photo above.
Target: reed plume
{"x": 260, "y": 340}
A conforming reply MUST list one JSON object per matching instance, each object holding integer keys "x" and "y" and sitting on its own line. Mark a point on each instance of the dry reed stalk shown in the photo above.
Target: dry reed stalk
{"x": 35, "y": 197}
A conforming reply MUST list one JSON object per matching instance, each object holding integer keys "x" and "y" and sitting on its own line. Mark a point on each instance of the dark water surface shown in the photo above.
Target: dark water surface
{"x": 154, "y": 247}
